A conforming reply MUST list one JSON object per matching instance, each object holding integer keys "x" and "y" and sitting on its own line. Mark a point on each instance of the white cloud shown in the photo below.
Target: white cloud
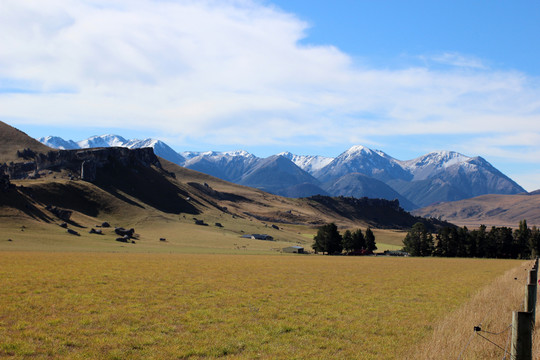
{"x": 233, "y": 72}
{"x": 458, "y": 60}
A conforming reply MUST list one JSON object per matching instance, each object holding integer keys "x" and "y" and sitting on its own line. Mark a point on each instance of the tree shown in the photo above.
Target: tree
{"x": 418, "y": 241}
{"x": 370, "y": 240}
{"x": 328, "y": 239}
{"x": 348, "y": 241}
{"x": 462, "y": 242}
{"x": 443, "y": 243}
{"x": 534, "y": 241}
{"x": 480, "y": 239}
{"x": 521, "y": 240}
{"x": 500, "y": 243}
{"x": 358, "y": 240}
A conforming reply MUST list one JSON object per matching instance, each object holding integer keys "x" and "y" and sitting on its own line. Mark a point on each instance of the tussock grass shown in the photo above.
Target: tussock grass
{"x": 491, "y": 308}
{"x": 195, "y": 306}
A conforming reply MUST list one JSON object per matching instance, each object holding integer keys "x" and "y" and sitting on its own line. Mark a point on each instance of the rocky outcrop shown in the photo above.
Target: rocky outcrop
{"x": 62, "y": 214}
{"x": 124, "y": 232}
{"x": 85, "y": 163}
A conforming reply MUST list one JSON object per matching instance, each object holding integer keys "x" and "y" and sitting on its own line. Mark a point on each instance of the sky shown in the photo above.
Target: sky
{"x": 310, "y": 77}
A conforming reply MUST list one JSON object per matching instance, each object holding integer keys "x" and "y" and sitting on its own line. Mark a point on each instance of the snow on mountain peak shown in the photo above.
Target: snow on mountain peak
{"x": 136, "y": 143}
{"x": 309, "y": 163}
{"x": 442, "y": 158}
{"x": 427, "y": 165}
{"x": 356, "y": 149}
{"x": 242, "y": 153}
{"x": 219, "y": 154}
{"x": 102, "y": 141}
{"x": 57, "y": 142}
{"x": 287, "y": 154}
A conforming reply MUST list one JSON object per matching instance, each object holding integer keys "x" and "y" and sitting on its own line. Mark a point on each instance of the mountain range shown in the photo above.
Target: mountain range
{"x": 358, "y": 172}
{"x": 80, "y": 189}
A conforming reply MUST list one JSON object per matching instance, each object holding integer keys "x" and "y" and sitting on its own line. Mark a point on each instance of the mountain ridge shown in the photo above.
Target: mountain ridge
{"x": 438, "y": 176}
{"x": 135, "y": 187}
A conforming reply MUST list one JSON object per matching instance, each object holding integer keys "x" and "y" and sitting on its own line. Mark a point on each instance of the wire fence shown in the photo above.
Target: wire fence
{"x": 481, "y": 334}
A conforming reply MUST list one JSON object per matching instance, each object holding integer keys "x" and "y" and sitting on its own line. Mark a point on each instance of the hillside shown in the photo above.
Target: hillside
{"x": 276, "y": 173}
{"x": 13, "y": 140}
{"x": 254, "y": 204}
{"x": 496, "y": 210}
{"x": 359, "y": 185}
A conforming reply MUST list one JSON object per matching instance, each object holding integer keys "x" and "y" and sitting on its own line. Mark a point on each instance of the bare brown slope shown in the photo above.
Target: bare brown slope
{"x": 497, "y": 210}
{"x": 251, "y": 203}
{"x": 12, "y": 139}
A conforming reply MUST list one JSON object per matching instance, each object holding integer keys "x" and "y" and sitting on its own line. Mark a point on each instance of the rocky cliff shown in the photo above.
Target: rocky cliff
{"x": 83, "y": 163}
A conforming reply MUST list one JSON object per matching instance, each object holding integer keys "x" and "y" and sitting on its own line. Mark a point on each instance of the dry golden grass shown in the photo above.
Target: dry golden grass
{"x": 182, "y": 235}
{"x": 489, "y": 210}
{"x": 13, "y": 139}
{"x": 187, "y": 306}
{"x": 491, "y": 309}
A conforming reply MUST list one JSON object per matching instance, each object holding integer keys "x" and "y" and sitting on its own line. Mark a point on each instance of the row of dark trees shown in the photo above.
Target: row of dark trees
{"x": 498, "y": 242}
{"x": 328, "y": 240}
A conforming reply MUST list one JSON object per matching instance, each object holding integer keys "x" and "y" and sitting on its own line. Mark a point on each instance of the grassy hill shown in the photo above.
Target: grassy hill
{"x": 12, "y": 139}
{"x": 490, "y": 210}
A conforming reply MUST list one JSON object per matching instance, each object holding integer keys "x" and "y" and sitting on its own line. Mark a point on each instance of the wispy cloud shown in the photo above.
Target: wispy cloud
{"x": 234, "y": 72}
{"x": 458, "y": 60}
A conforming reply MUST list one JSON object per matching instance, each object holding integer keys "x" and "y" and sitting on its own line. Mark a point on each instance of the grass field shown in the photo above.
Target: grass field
{"x": 194, "y": 306}
{"x": 490, "y": 309}
{"x": 182, "y": 236}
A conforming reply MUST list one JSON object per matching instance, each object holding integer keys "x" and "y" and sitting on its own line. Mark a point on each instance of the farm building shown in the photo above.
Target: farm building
{"x": 294, "y": 249}
{"x": 258, "y": 237}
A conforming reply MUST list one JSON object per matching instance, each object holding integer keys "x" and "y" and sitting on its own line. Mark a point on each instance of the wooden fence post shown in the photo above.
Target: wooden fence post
{"x": 521, "y": 348}
{"x": 533, "y": 276}
{"x": 532, "y": 288}
{"x": 530, "y": 303}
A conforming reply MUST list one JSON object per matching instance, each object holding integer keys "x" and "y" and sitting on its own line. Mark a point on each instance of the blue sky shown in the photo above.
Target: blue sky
{"x": 310, "y": 77}
{"x": 396, "y": 33}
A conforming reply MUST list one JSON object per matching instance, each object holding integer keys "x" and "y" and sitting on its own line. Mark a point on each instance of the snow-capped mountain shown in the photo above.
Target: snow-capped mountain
{"x": 309, "y": 163}
{"x": 434, "y": 177}
{"x": 359, "y": 171}
{"x": 229, "y": 165}
{"x": 360, "y": 159}
{"x": 58, "y": 143}
{"x": 277, "y": 173}
{"x": 108, "y": 140}
{"x": 449, "y": 176}
{"x": 160, "y": 148}
{"x": 428, "y": 165}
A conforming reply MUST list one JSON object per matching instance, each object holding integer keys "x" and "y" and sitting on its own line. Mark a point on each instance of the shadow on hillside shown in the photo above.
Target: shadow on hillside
{"x": 148, "y": 185}
{"x": 17, "y": 199}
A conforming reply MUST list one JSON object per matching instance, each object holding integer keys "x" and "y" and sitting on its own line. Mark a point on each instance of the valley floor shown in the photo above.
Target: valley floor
{"x": 116, "y": 306}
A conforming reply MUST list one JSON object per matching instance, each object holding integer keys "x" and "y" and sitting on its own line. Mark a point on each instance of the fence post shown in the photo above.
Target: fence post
{"x": 532, "y": 288}
{"x": 521, "y": 348}
{"x": 533, "y": 276}
{"x": 530, "y": 303}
